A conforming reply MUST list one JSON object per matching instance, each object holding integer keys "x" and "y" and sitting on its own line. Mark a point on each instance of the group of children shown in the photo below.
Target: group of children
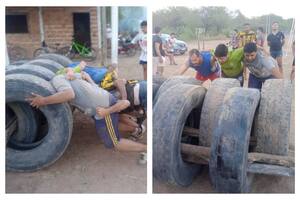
{"x": 248, "y": 54}
{"x": 118, "y": 106}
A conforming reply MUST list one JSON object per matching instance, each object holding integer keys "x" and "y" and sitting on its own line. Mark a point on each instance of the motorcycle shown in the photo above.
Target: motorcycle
{"x": 125, "y": 47}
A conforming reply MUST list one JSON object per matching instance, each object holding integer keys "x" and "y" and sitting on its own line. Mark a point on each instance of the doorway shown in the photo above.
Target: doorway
{"x": 82, "y": 31}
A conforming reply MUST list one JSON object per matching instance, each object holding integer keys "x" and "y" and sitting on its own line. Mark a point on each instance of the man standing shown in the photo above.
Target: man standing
{"x": 158, "y": 52}
{"x": 261, "y": 67}
{"x": 276, "y": 41}
{"x": 204, "y": 63}
{"x": 170, "y": 43}
{"x": 141, "y": 39}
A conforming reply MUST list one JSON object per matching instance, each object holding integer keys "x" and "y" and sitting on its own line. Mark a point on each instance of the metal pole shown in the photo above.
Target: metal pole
{"x": 99, "y": 33}
{"x": 104, "y": 39}
{"x": 99, "y": 27}
{"x": 41, "y": 23}
{"x": 114, "y": 34}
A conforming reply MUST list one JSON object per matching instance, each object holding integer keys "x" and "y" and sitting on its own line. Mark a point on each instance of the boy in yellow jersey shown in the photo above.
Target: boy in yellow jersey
{"x": 246, "y": 36}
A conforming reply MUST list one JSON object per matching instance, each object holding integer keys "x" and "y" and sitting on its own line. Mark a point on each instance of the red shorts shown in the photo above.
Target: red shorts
{"x": 211, "y": 77}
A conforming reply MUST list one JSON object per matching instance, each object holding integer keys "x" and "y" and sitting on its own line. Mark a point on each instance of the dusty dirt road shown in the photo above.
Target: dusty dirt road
{"x": 261, "y": 183}
{"x": 87, "y": 166}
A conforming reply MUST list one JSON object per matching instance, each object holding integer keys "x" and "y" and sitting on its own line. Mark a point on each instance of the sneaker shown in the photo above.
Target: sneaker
{"x": 143, "y": 158}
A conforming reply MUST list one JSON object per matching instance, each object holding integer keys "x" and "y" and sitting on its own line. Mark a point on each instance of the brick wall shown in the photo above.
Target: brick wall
{"x": 28, "y": 40}
{"x": 58, "y": 26}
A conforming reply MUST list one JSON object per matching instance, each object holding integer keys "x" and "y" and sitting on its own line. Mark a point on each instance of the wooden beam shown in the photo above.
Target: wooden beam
{"x": 286, "y": 161}
{"x": 271, "y": 170}
{"x": 195, "y": 154}
{"x": 193, "y": 132}
{"x": 201, "y": 155}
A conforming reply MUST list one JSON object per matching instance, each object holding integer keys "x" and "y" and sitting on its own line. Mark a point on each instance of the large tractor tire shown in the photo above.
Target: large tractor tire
{"x": 63, "y": 60}
{"x": 172, "y": 81}
{"x": 169, "y": 116}
{"x": 35, "y": 70}
{"x": 59, "y": 120}
{"x": 211, "y": 107}
{"x": 47, "y": 63}
{"x": 272, "y": 122}
{"x": 230, "y": 141}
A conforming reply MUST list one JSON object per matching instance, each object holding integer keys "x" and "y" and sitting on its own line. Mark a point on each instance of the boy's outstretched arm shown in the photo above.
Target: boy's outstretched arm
{"x": 61, "y": 97}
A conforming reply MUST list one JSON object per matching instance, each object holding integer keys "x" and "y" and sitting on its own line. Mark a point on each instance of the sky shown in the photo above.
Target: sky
{"x": 283, "y": 8}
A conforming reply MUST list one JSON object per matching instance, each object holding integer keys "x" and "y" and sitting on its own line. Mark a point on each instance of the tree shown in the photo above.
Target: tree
{"x": 214, "y": 21}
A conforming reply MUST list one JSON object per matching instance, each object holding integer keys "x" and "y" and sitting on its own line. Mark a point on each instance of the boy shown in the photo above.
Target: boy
{"x": 231, "y": 62}
{"x": 261, "y": 67}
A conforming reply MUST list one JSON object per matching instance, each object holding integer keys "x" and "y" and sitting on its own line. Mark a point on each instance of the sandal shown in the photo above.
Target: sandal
{"x": 143, "y": 158}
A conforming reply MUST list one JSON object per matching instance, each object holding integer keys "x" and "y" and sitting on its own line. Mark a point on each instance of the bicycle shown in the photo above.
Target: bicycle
{"x": 46, "y": 49}
{"x": 16, "y": 53}
{"x": 78, "y": 49}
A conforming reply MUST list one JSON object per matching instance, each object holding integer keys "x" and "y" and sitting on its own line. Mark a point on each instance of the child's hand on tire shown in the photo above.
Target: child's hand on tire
{"x": 36, "y": 100}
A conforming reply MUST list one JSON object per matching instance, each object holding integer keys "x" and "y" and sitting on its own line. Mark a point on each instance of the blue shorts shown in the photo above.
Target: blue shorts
{"x": 143, "y": 94}
{"x": 255, "y": 82}
{"x": 107, "y": 128}
{"x": 143, "y": 62}
{"x": 276, "y": 54}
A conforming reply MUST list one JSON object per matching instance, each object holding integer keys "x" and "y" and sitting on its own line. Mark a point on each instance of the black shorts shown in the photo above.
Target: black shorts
{"x": 143, "y": 62}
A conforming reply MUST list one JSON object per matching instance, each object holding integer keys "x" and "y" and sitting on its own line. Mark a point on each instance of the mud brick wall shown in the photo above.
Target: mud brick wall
{"x": 58, "y": 26}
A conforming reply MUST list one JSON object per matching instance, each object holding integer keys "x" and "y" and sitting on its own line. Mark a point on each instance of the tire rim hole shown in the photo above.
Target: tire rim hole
{"x": 41, "y": 131}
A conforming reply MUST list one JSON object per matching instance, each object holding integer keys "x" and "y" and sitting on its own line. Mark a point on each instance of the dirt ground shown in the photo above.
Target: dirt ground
{"x": 87, "y": 166}
{"x": 261, "y": 183}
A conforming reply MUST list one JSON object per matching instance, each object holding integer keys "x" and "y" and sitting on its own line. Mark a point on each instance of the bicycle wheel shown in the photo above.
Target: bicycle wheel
{"x": 16, "y": 53}
{"x": 88, "y": 54}
{"x": 65, "y": 51}
{"x": 40, "y": 51}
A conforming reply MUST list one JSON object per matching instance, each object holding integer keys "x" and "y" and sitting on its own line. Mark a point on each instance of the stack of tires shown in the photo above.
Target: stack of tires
{"x": 225, "y": 115}
{"x": 35, "y": 138}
